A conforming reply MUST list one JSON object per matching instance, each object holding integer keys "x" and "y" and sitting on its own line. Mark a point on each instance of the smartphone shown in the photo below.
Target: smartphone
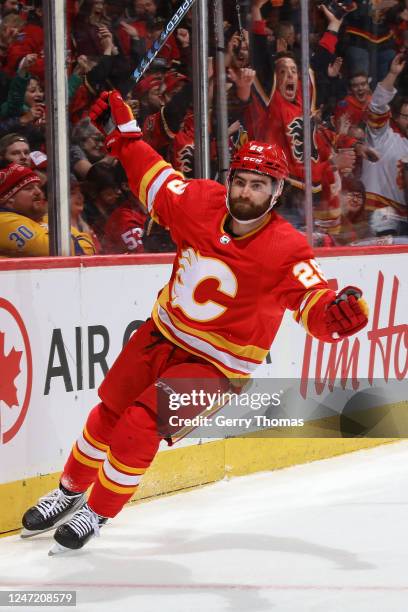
{"x": 341, "y": 8}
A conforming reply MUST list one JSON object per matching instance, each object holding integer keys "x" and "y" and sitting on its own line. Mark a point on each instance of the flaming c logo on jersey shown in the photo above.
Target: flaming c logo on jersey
{"x": 193, "y": 270}
{"x": 16, "y": 370}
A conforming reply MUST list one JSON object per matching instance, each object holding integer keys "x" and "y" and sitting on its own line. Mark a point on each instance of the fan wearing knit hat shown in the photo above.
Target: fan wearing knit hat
{"x": 23, "y": 227}
{"x": 20, "y": 192}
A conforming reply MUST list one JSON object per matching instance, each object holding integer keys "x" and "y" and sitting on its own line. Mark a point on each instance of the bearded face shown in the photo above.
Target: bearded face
{"x": 287, "y": 78}
{"x": 250, "y": 195}
{"x": 145, "y": 9}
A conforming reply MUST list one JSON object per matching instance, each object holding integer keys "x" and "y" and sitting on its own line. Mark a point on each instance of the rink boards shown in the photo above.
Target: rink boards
{"x": 63, "y": 323}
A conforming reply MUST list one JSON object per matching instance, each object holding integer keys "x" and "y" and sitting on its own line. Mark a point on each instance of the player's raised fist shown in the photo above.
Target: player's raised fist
{"x": 110, "y": 112}
{"x": 347, "y": 314}
{"x": 115, "y": 119}
{"x": 121, "y": 112}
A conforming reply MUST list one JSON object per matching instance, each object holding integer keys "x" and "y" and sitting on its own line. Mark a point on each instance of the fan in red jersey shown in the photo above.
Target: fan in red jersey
{"x": 239, "y": 266}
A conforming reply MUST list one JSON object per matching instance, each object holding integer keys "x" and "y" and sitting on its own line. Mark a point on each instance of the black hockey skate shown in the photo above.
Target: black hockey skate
{"x": 51, "y": 510}
{"x": 74, "y": 533}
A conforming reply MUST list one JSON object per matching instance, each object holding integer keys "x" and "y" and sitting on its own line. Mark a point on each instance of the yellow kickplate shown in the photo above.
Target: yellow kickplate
{"x": 191, "y": 466}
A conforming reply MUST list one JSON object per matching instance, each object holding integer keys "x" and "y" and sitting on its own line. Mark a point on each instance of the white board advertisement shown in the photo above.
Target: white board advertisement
{"x": 61, "y": 329}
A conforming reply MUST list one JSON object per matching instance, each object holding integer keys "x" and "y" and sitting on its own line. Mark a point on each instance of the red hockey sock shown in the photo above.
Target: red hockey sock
{"x": 90, "y": 450}
{"x": 134, "y": 443}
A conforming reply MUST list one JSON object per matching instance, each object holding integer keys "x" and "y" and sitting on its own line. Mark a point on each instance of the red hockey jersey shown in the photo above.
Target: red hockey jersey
{"x": 355, "y": 111}
{"x": 123, "y": 230}
{"x": 227, "y": 295}
{"x": 283, "y": 124}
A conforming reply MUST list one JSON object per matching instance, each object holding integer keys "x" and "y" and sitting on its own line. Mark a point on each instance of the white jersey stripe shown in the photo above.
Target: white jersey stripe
{"x": 155, "y": 186}
{"x": 234, "y": 363}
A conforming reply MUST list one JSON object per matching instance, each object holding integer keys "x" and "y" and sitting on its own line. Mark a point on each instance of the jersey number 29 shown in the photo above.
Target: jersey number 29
{"x": 308, "y": 273}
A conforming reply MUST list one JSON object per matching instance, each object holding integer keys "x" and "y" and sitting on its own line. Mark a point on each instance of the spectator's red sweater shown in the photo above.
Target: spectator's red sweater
{"x": 31, "y": 41}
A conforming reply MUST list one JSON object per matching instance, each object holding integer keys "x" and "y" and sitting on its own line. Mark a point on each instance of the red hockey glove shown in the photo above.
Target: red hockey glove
{"x": 114, "y": 118}
{"x": 347, "y": 314}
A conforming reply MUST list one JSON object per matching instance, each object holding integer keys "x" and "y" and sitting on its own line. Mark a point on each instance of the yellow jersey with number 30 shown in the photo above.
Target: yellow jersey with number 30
{"x": 23, "y": 237}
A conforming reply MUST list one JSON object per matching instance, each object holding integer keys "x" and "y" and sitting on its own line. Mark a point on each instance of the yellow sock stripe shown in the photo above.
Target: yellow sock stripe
{"x": 95, "y": 443}
{"x": 148, "y": 177}
{"x": 122, "y": 467}
{"x": 112, "y": 487}
{"x": 310, "y": 305}
{"x": 93, "y": 463}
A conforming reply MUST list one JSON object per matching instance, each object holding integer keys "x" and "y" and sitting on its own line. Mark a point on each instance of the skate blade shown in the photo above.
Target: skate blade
{"x": 26, "y": 533}
{"x": 58, "y": 549}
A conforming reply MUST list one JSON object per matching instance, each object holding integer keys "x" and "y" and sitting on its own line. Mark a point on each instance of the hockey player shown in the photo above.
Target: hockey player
{"x": 239, "y": 266}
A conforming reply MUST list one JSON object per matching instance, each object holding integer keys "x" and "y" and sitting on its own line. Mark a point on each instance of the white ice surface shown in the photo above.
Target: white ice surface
{"x": 323, "y": 537}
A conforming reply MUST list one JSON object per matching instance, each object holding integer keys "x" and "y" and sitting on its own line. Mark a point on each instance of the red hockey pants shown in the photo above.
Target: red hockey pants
{"x": 121, "y": 437}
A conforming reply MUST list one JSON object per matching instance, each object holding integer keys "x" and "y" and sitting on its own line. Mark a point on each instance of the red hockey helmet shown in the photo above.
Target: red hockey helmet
{"x": 261, "y": 157}
{"x": 264, "y": 158}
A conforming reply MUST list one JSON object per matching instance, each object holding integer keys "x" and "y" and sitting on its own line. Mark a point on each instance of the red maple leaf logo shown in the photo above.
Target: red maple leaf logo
{"x": 9, "y": 370}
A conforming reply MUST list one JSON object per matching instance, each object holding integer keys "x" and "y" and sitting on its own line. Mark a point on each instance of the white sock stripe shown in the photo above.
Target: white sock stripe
{"x": 119, "y": 477}
{"x": 89, "y": 450}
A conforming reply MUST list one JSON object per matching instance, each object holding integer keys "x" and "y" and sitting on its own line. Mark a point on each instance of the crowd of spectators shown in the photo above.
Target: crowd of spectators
{"x": 359, "y": 114}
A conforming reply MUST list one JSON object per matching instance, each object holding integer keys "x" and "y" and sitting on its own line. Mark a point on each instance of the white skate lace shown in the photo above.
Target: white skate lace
{"x": 54, "y": 502}
{"x": 84, "y": 521}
